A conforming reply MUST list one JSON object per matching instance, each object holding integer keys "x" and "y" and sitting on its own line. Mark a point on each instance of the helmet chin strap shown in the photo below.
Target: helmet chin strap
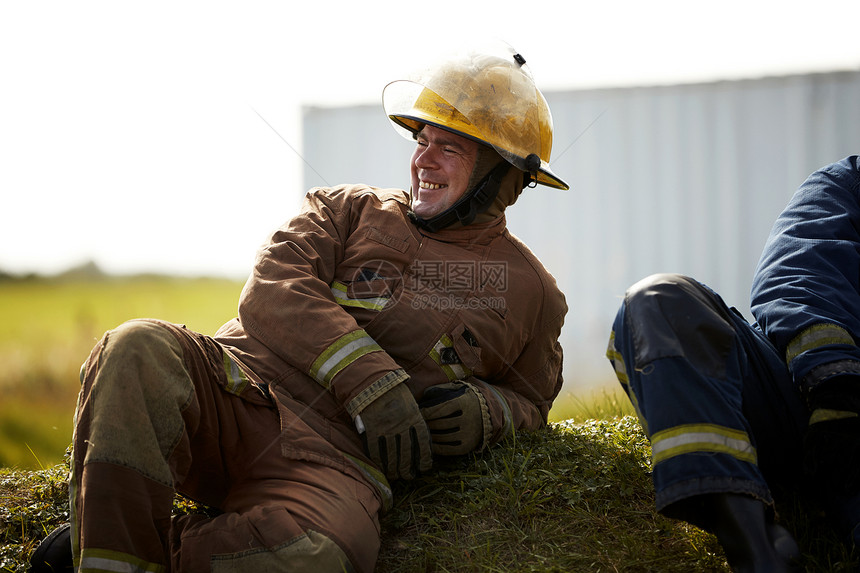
{"x": 469, "y": 205}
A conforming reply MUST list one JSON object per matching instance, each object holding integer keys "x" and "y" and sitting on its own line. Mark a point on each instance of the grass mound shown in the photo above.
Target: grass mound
{"x": 574, "y": 497}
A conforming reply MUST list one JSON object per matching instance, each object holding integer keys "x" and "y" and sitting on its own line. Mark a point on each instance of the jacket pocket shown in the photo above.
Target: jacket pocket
{"x": 467, "y": 347}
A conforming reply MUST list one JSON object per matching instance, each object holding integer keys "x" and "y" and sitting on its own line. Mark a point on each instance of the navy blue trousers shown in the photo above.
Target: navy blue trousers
{"x": 713, "y": 395}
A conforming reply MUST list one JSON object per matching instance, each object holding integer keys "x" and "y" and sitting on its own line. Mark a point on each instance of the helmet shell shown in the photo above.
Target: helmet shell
{"x": 489, "y": 96}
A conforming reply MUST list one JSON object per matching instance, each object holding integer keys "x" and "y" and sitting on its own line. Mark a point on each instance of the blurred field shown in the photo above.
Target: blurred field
{"x": 48, "y": 328}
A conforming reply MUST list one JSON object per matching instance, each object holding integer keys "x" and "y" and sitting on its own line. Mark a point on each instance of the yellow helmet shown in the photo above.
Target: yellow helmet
{"x": 488, "y": 96}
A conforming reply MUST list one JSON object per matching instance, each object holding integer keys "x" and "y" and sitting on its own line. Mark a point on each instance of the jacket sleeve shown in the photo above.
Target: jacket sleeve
{"x": 521, "y": 400}
{"x": 806, "y": 290}
{"x": 289, "y": 306}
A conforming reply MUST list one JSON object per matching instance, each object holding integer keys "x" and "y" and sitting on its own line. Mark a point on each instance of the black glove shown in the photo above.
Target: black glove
{"x": 453, "y": 415}
{"x": 395, "y": 435}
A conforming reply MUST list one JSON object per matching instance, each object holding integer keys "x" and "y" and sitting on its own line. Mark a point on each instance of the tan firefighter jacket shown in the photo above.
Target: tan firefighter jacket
{"x": 350, "y": 298}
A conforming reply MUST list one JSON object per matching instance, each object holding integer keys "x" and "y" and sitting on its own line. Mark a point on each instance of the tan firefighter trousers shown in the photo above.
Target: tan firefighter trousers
{"x": 159, "y": 413}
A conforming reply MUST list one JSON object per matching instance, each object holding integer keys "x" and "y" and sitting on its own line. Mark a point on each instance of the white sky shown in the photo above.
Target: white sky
{"x": 130, "y": 134}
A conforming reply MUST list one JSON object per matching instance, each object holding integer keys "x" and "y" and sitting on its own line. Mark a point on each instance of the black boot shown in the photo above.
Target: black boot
{"x": 752, "y": 542}
{"x": 54, "y": 553}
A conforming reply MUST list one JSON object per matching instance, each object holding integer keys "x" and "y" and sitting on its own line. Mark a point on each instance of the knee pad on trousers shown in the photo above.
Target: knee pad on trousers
{"x": 675, "y": 316}
{"x": 133, "y": 399}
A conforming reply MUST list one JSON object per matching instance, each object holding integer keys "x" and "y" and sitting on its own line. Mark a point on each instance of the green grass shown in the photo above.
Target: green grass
{"x": 601, "y": 401}
{"x": 48, "y": 330}
{"x": 576, "y": 497}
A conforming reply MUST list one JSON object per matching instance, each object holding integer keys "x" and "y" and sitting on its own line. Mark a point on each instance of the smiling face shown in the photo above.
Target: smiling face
{"x": 441, "y": 166}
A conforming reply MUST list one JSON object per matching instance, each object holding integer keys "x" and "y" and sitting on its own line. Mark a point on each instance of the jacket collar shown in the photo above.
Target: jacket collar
{"x": 476, "y": 233}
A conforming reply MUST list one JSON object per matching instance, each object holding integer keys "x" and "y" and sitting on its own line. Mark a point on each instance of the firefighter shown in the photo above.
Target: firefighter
{"x": 736, "y": 411}
{"x": 378, "y": 328}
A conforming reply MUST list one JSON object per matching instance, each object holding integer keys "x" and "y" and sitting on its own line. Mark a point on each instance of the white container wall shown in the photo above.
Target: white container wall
{"x": 684, "y": 178}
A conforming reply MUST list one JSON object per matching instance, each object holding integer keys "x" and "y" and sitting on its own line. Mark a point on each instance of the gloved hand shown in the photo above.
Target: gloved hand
{"x": 395, "y": 435}
{"x": 453, "y": 415}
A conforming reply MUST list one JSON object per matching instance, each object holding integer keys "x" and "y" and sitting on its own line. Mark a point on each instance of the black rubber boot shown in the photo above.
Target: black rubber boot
{"x": 751, "y": 541}
{"x": 54, "y": 553}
